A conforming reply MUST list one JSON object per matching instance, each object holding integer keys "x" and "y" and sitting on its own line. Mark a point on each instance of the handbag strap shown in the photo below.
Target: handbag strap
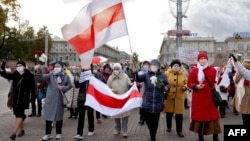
{"x": 209, "y": 82}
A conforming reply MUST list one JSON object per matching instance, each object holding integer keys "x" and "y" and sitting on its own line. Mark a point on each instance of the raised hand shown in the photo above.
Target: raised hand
{"x": 3, "y": 65}
{"x": 234, "y": 58}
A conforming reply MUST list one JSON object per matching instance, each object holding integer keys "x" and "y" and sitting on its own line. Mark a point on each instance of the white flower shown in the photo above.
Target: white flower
{"x": 41, "y": 59}
{"x": 35, "y": 55}
{"x": 153, "y": 80}
{"x": 44, "y": 56}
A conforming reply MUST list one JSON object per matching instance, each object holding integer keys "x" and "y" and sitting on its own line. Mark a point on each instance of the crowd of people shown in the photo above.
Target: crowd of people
{"x": 164, "y": 89}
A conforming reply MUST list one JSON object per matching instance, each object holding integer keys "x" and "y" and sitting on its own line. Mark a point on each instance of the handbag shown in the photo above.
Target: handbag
{"x": 216, "y": 95}
{"x": 65, "y": 99}
{"x": 10, "y": 100}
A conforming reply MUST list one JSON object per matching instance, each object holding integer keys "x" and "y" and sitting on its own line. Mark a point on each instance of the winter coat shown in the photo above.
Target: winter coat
{"x": 202, "y": 106}
{"x": 153, "y": 99}
{"x": 242, "y": 104}
{"x": 54, "y": 106}
{"x": 24, "y": 90}
{"x": 121, "y": 84}
{"x": 176, "y": 95}
{"x": 81, "y": 98}
{"x": 243, "y": 71}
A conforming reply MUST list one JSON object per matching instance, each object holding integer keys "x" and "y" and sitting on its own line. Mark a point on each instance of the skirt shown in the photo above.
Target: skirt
{"x": 205, "y": 127}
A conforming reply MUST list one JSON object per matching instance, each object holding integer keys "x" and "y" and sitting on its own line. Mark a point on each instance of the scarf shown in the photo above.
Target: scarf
{"x": 201, "y": 76}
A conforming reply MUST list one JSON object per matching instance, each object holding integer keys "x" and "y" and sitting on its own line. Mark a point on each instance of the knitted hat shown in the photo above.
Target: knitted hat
{"x": 60, "y": 63}
{"x": 202, "y": 54}
{"x": 117, "y": 65}
{"x": 156, "y": 62}
{"x": 176, "y": 61}
{"x": 21, "y": 62}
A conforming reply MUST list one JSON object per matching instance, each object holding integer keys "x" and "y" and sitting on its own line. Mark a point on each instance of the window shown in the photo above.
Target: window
{"x": 248, "y": 47}
{"x": 240, "y": 47}
{"x": 219, "y": 48}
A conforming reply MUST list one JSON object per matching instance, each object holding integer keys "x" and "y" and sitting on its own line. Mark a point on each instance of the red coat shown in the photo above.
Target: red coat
{"x": 202, "y": 106}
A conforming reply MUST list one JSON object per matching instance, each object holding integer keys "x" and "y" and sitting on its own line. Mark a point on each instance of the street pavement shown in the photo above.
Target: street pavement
{"x": 35, "y": 126}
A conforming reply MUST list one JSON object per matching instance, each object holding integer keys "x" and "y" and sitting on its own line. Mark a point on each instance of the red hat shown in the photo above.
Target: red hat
{"x": 202, "y": 54}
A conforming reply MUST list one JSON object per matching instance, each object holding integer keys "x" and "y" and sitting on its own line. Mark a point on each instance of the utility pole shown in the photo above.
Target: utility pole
{"x": 46, "y": 47}
{"x": 179, "y": 26}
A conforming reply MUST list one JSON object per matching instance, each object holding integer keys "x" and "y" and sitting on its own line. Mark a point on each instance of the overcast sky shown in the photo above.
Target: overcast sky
{"x": 147, "y": 20}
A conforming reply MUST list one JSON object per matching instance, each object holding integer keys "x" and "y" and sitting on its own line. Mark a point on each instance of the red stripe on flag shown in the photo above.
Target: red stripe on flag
{"x": 108, "y": 17}
{"x": 108, "y": 101}
{"x": 85, "y": 40}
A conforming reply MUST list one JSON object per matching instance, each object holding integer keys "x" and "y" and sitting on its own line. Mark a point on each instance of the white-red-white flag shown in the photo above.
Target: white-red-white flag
{"x": 101, "y": 98}
{"x": 97, "y": 23}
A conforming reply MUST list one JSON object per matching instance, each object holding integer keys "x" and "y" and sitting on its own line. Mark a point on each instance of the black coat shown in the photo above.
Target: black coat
{"x": 24, "y": 90}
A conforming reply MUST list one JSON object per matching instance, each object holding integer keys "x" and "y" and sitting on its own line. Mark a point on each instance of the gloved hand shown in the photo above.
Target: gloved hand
{"x": 3, "y": 65}
{"x": 234, "y": 58}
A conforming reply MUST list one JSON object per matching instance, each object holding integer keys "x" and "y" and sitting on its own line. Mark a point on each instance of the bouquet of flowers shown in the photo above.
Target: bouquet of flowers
{"x": 156, "y": 82}
{"x": 40, "y": 57}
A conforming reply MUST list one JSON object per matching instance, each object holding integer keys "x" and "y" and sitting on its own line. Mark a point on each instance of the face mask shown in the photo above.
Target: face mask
{"x": 153, "y": 68}
{"x": 94, "y": 71}
{"x": 116, "y": 72}
{"x": 57, "y": 70}
{"x": 20, "y": 70}
{"x": 175, "y": 68}
{"x": 145, "y": 67}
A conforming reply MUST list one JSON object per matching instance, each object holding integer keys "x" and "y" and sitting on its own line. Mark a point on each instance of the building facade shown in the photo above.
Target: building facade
{"x": 63, "y": 51}
{"x": 168, "y": 50}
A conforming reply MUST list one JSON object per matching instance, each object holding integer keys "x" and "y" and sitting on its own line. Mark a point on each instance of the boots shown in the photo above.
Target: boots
{"x": 201, "y": 137}
{"x": 216, "y": 137}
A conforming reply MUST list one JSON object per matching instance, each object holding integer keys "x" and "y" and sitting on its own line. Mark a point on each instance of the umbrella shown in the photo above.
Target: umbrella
{"x": 98, "y": 59}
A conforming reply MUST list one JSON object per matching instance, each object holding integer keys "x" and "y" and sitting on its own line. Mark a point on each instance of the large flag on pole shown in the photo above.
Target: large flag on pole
{"x": 101, "y": 98}
{"x": 97, "y": 23}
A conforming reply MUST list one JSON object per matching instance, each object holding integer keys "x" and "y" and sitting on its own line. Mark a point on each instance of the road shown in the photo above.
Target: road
{"x": 35, "y": 126}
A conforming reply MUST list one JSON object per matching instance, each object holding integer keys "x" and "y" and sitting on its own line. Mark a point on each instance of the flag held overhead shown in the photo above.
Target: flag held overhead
{"x": 97, "y": 23}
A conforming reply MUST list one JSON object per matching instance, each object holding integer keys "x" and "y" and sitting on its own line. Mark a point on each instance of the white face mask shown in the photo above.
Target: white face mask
{"x": 176, "y": 68}
{"x": 145, "y": 67}
{"x": 116, "y": 72}
{"x": 20, "y": 70}
{"x": 57, "y": 70}
{"x": 153, "y": 68}
{"x": 94, "y": 71}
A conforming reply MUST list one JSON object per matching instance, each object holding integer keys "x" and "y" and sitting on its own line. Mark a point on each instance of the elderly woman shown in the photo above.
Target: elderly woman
{"x": 204, "y": 113}
{"x": 241, "y": 100}
{"x": 120, "y": 83}
{"x": 58, "y": 84}
{"x": 155, "y": 83}
{"x": 174, "y": 104}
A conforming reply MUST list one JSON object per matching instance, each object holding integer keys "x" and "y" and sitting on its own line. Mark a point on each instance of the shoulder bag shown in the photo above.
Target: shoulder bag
{"x": 10, "y": 100}
{"x": 216, "y": 95}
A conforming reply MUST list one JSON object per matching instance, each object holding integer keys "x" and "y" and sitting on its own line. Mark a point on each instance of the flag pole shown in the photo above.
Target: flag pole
{"x": 130, "y": 46}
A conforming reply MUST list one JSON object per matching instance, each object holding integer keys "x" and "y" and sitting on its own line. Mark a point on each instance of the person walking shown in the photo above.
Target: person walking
{"x": 120, "y": 83}
{"x": 58, "y": 84}
{"x": 153, "y": 99}
{"x": 174, "y": 104}
{"x": 23, "y": 85}
{"x": 204, "y": 113}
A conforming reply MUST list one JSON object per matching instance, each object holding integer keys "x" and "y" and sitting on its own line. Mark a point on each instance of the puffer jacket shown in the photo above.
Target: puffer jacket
{"x": 153, "y": 98}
